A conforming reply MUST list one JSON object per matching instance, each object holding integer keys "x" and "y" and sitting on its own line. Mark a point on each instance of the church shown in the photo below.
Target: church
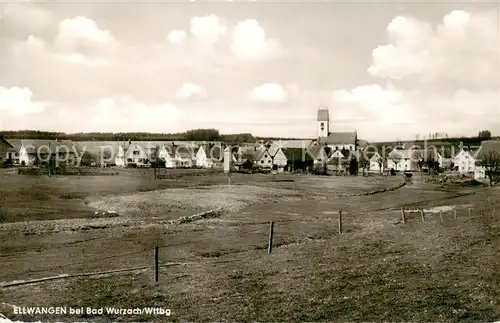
{"x": 334, "y": 140}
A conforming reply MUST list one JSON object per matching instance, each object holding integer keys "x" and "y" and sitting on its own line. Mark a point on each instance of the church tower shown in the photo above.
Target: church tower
{"x": 323, "y": 123}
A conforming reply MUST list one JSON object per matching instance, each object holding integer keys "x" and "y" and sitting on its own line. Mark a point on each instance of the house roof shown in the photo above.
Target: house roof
{"x": 317, "y": 150}
{"x": 370, "y": 154}
{"x": 32, "y": 145}
{"x": 404, "y": 154}
{"x": 5, "y": 141}
{"x": 340, "y": 154}
{"x": 291, "y": 144}
{"x": 185, "y": 154}
{"x": 260, "y": 154}
{"x": 252, "y": 156}
{"x": 341, "y": 138}
{"x": 488, "y": 147}
{"x": 323, "y": 115}
{"x": 426, "y": 154}
{"x": 297, "y": 154}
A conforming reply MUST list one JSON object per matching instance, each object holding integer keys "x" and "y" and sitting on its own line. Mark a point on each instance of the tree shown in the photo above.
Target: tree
{"x": 484, "y": 134}
{"x": 156, "y": 161}
{"x": 353, "y": 167}
{"x": 432, "y": 165}
{"x": 420, "y": 164}
{"x": 396, "y": 159}
{"x": 364, "y": 163}
{"x": 380, "y": 162}
{"x": 87, "y": 159}
{"x": 491, "y": 163}
{"x": 320, "y": 168}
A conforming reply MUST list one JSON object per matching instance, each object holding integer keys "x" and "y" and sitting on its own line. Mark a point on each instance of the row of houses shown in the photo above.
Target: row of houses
{"x": 278, "y": 155}
{"x": 467, "y": 161}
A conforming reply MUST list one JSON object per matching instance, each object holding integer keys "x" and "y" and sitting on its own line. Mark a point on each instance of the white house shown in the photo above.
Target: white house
{"x": 201, "y": 158}
{"x": 185, "y": 159}
{"x": 489, "y": 149}
{"x": 136, "y": 155}
{"x": 264, "y": 159}
{"x": 120, "y": 157}
{"x": 403, "y": 160}
{"x": 279, "y": 160}
{"x": 376, "y": 163}
{"x": 464, "y": 162}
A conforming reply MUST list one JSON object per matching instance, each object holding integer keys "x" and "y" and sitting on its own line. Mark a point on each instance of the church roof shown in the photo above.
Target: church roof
{"x": 323, "y": 115}
{"x": 341, "y": 138}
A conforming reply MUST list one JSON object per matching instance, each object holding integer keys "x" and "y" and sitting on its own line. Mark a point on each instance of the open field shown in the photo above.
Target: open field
{"x": 217, "y": 268}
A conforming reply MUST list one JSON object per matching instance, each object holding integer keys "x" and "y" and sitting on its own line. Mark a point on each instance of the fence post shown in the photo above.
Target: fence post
{"x": 470, "y": 213}
{"x": 340, "y": 222}
{"x": 455, "y": 214}
{"x": 441, "y": 215}
{"x": 422, "y": 215}
{"x": 270, "y": 239}
{"x": 156, "y": 263}
{"x": 403, "y": 216}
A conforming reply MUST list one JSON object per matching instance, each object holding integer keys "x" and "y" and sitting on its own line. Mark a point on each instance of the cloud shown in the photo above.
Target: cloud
{"x": 39, "y": 48}
{"x": 191, "y": 91}
{"x": 73, "y": 32}
{"x": 463, "y": 49}
{"x": 269, "y": 93}
{"x": 386, "y": 111}
{"x": 79, "y": 41}
{"x": 18, "y": 102}
{"x": 387, "y": 105}
{"x": 207, "y": 29}
{"x": 26, "y": 16}
{"x": 177, "y": 36}
{"x": 249, "y": 41}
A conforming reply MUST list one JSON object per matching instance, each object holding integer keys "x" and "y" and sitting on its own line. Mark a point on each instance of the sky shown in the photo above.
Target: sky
{"x": 389, "y": 70}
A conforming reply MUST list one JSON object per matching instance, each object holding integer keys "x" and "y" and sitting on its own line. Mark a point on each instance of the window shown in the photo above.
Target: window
{"x": 136, "y": 152}
{"x": 130, "y": 160}
{"x": 265, "y": 156}
{"x": 269, "y": 161}
{"x": 262, "y": 162}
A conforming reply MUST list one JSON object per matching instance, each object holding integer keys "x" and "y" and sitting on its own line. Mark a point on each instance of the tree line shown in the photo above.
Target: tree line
{"x": 190, "y": 135}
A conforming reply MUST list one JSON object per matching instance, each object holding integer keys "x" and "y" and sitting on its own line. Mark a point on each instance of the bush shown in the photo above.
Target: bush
{"x": 320, "y": 169}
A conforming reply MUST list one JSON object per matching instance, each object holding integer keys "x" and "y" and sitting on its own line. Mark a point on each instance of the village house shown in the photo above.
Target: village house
{"x": 120, "y": 157}
{"x": 207, "y": 156}
{"x": 376, "y": 162}
{"x": 403, "y": 160}
{"x": 339, "y": 161}
{"x": 279, "y": 159}
{"x": 6, "y": 149}
{"x": 264, "y": 159}
{"x": 187, "y": 158}
{"x": 464, "y": 162}
{"x": 136, "y": 156}
{"x": 29, "y": 152}
{"x": 488, "y": 151}
{"x": 169, "y": 156}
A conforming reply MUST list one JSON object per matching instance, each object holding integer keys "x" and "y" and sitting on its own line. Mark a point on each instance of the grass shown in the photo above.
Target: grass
{"x": 375, "y": 271}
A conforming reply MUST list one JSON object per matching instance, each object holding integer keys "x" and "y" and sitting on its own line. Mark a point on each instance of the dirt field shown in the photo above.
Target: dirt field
{"x": 218, "y": 268}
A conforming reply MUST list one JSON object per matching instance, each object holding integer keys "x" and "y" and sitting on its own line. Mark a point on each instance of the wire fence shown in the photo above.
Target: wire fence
{"x": 144, "y": 254}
